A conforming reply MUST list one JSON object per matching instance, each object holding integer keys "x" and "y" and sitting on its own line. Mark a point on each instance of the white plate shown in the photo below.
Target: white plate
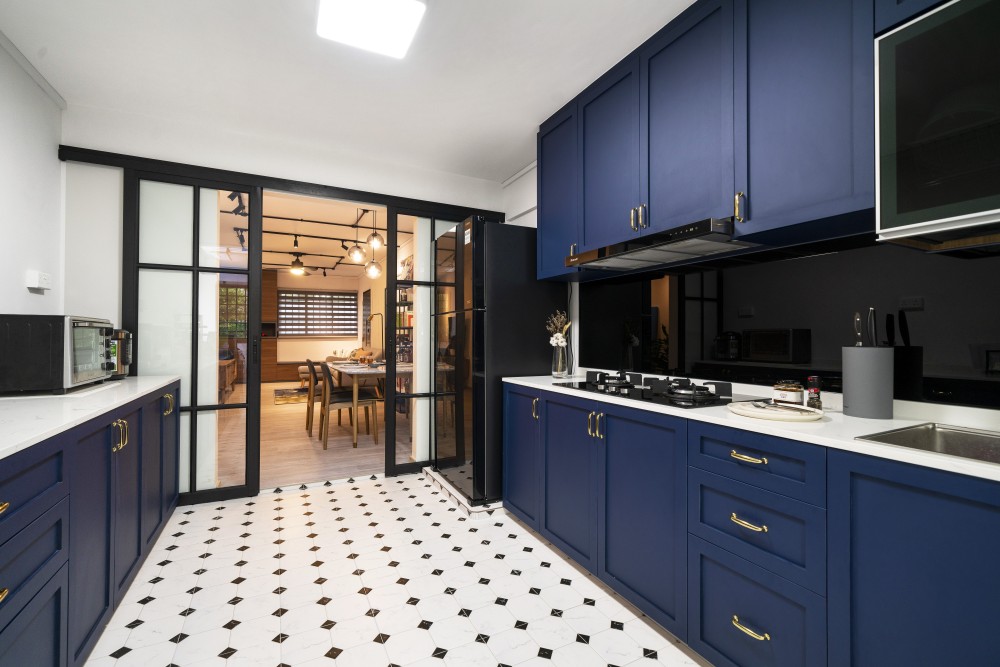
{"x": 749, "y": 410}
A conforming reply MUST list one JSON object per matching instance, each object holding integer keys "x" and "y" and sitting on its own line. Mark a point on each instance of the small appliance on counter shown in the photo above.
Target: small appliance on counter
{"x": 728, "y": 346}
{"x": 53, "y": 353}
{"x": 121, "y": 353}
{"x": 785, "y": 346}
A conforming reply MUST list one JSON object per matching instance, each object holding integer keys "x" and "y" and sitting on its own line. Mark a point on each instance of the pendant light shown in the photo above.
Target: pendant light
{"x": 375, "y": 240}
{"x": 356, "y": 252}
{"x": 297, "y": 269}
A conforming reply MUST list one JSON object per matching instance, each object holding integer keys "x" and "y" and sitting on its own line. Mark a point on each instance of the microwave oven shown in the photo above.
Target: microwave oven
{"x": 783, "y": 346}
{"x": 53, "y": 352}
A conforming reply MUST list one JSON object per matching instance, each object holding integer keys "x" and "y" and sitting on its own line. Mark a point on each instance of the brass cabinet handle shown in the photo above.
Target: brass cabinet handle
{"x": 631, "y": 220}
{"x": 747, "y": 631}
{"x": 590, "y": 424}
{"x": 746, "y": 524}
{"x": 572, "y": 248}
{"x": 4, "y": 593}
{"x": 117, "y": 424}
{"x": 4, "y": 506}
{"x": 125, "y": 426}
{"x": 747, "y": 459}
{"x": 534, "y": 408}
{"x": 736, "y": 206}
{"x": 170, "y": 404}
{"x": 597, "y": 430}
{"x": 642, "y": 225}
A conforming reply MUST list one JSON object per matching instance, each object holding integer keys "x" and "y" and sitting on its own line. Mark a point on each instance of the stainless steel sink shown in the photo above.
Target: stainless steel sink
{"x": 967, "y": 443}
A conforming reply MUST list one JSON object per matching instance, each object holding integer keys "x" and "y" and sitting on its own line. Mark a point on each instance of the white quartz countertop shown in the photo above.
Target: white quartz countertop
{"x": 834, "y": 430}
{"x": 27, "y": 420}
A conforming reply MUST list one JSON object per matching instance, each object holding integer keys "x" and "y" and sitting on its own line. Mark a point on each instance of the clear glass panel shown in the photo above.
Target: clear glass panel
{"x": 414, "y": 248}
{"x": 166, "y": 223}
{"x": 222, "y": 448}
{"x": 222, "y": 338}
{"x": 184, "y": 460}
{"x": 163, "y": 341}
{"x": 223, "y": 222}
{"x": 711, "y": 284}
{"x": 692, "y": 284}
{"x": 446, "y": 235}
{"x": 421, "y": 337}
{"x": 414, "y": 421}
{"x": 445, "y": 351}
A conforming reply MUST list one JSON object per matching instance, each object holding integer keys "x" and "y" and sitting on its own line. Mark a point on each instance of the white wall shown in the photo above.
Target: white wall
{"x": 520, "y": 197}
{"x": 30, "y": 186}
{"x": 219, "y": 147}
{"x": 93, "y": 224}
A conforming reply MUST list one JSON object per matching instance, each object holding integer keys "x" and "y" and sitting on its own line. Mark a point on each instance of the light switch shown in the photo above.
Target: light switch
{"x": 38, "y": 280}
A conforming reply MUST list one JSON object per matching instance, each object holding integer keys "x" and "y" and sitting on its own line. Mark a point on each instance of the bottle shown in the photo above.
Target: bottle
{"x": 813, "y": 383}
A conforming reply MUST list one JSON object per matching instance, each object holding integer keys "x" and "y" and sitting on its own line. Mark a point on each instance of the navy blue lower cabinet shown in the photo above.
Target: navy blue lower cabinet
{"x": 913, "y": 565}
{"x": 641, "y": 495}
{"x": 889, "y": 13}
{"x": 128, "y": 541}
{"x": 31, "y": 482}
{"x": 37, "y": 635}
{"x": 569, "y": 496}
{"x": 741, "y": 615}
{"x": 151, "y": 455}
{"x": 522, "y": 453}
{"x": 170, "y": 436}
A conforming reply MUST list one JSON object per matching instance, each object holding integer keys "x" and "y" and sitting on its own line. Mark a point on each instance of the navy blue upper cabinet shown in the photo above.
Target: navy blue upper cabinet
{"x": 521, "y": 453}
{"x": 558, "y": 192}
{"x": 609, "y": 145}
{"x": 889, "y": 13}
{"x": 642, "y": 530}
{"x": 805, "y": 112}
{"x": 686, "y": 118}
{"x": 912, "y": 562}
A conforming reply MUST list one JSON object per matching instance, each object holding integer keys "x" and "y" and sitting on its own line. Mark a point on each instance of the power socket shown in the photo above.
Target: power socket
{"x": 911, "y": 303}
{"x": 745, "y": 311}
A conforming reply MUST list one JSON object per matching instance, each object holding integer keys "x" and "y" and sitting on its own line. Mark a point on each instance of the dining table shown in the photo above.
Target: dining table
{"x": 358, "y": 373}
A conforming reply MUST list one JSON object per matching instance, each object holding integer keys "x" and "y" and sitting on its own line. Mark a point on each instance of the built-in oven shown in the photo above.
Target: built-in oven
{"x": 53, "y": 352}
{"x": 938, "y": 127}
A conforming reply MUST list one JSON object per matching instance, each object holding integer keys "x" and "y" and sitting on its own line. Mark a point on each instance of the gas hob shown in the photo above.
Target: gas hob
{"x": 677, "y": 392}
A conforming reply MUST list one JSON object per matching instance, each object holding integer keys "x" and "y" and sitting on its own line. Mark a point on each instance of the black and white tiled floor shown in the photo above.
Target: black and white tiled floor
{"x": 367, "y": 573}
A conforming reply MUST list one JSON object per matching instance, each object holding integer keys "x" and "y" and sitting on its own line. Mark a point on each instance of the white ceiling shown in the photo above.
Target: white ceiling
{"x": 468, "y": 98}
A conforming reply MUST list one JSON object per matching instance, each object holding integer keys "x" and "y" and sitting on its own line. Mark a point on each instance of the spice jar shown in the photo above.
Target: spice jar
{"x": 813, "y": 400}
{"x": 788, "y": 391}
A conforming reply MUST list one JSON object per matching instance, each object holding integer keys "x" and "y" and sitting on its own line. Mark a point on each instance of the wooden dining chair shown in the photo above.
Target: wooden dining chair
{"x": 313, "y": 394}
{"x": 339, "y": 398}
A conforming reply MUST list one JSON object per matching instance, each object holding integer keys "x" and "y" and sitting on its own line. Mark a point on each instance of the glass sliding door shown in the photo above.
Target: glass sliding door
{"x": 192, "y": 258}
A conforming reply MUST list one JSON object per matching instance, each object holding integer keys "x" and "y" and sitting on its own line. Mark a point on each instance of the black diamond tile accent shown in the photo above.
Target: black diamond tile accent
{"x": 279, "y": 590}
{"x": 146, "y": 600}
{"x": 187, "y": 612}
{"x": 364, "y": 591}
{"x": 449, "y": 591}
{"x": 583, "y": 639}
{"x": 426, "y": 556}
{"x": 437, "y": 572}
{"x": 649, "y": 653}
{"x": 565, "y": 582}
{"x": 402, "y": 580}
{"x": 279, "y": 612}
{"x": 236, "y": 600}
{"x": 317, "y": 563}
{"x": 323, "y": 601}
{"x": 617, "y": 625}
{"x": 194, "y": 590}
{"x": 535, "y": 591}
{"x": 200, "y": 571}
{"x": 465, "y": 612}
{"x": 156, "y": 580}
{"x": 334, "y": 652}
{"x": 279, "y": 572}
{"x": 328, "y": 624}
{"x": 589, "y": 602}
{"x": 484, "y": 581}
{"x": 120, "y": 652}
{"x": 413, "y": 601}
{"x": 178, "y": 638}
{"x": 425, "y": 625}
{"x": 134, "y": 624}
{"x": 482, "y": 639}
{"x": 349, "y": 556}
{"x": 321, "y": 580}
{"x": 231, "y": 624}
{"x": 501, "y": 601}
{"x": 243, "y": 548}
{"x": 556, "y": 612}
{"x": 393, "y": 563}
{"x": 240, "y": 563}
{"x": 516, "y": 573}
{"x": 381, "y": 638}
{"x": 521, "y": 625}
{"x": 500, "y": 556}
{"x": 544, "y": 564}
{"x": 545, "y": 653}
{"x": 439, "y": 653}
{"x": 456, "y": 548}
{"x": 358, "y": 573}
{"x": 279, "y": 638}
{"x": 469, "y": 563}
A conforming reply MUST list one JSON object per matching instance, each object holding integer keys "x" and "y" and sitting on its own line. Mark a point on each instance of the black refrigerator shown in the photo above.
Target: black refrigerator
{"x": 500, "y": 332}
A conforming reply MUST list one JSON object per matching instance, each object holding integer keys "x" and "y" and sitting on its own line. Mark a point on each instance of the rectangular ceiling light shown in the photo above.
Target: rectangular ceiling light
{"x": 382, "y": 26}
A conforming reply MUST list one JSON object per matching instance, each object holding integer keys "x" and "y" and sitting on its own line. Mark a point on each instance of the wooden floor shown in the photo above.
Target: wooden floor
{"x": 287, "y": 454}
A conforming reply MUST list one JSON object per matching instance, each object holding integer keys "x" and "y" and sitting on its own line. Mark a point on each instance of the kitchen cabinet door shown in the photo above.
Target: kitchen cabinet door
{"x": 805, "y": 115}
{"x": 642, "y": 520}
{"x": 558, "y": 192}
{"x": 890, "y": 13}
{"x": 609, "y": 144}
{"x": 912, "y": 563}
{"x": 569, "y": 496}
{"x": 128, "y": 541}
{"x": 686, "y": 118}
{"x": 151, "y": 465}
{"x": 170, "y": 435}
{"x": 521, "y": 453}
{"x": 90, "y": 598}
{"x": 37, "y": 635}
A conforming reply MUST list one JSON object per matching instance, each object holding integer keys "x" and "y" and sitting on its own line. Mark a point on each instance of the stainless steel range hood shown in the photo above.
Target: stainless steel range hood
{"x": 673, "y": 246}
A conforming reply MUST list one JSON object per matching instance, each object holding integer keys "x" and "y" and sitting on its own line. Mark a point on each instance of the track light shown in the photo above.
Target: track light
{"x": 343, "y": 246}
{"x": 241, "y": 238}
{"x": 241, "y": 208}
{"x": 297, "y": 269}
{"x": 295, "y": 243}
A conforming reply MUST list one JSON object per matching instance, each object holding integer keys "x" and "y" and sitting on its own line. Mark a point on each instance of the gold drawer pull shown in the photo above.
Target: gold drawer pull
{"x": 4, "y": 506}
{"x": 747, "y": 631}
{"x": 4, "y": 593}
{"x": 170, "y": 403}
{"x": 745, "y": 524}
{"x": 534, "y": 408}
{"x": 590, "y": 424}
{"x": 747, "y": 459}
{"x": 597, "y": 428}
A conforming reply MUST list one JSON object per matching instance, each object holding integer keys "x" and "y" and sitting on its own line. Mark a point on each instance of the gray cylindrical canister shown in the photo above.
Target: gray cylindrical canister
{"x": 868, "y": 382}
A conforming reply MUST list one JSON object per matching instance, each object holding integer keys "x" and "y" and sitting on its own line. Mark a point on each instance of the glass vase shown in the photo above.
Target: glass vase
{"x": 560, "y": 361}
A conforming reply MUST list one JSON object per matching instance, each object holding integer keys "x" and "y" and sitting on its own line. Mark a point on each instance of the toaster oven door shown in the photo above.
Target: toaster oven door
{"x": 87, "y": 359}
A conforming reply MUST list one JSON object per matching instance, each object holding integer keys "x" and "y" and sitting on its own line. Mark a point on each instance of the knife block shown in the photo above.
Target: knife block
{"x": 868, "y": 380}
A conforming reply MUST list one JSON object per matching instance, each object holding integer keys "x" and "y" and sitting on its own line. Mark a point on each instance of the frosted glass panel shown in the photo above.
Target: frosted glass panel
{"x": 222, "y": 338}
{"x": 206, "y": 477}
{"x": 166, "y": 223}
{"x": 222, "y": 223}
{"x": 184, "y": 460}
{"x": 229, "y": 445}
{"x": 163, "y": 340}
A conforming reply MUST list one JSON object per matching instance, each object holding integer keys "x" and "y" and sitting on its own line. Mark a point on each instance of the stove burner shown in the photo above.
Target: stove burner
{"x": 678, "y": 392}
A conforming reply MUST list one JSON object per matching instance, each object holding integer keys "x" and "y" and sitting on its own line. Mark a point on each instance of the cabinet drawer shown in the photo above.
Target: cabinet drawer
{"x": 790, "y": 468}
{"x": 37, "y": 636}
{"x": 31, "y": 557}
{"x": 31, "y": 482}
{"x": 785, "y": 536}
{"x": 743, "y": 615}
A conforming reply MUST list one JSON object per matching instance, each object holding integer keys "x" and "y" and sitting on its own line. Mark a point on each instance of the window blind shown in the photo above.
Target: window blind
{"x": 302, "y": 313}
